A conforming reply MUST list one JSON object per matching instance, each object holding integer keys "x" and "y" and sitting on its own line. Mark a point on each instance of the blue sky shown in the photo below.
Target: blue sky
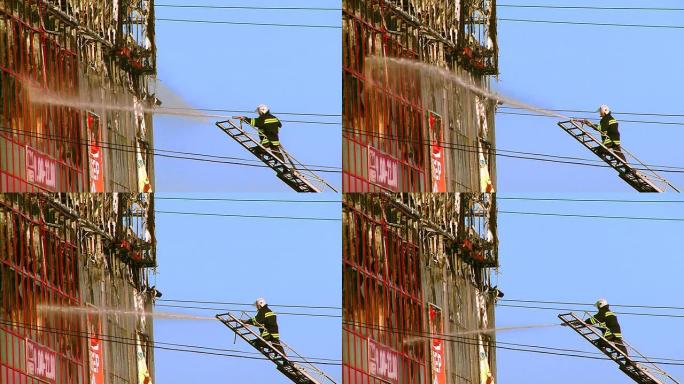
{"x": 581, "y": 260}
{"x": 237, "y": 67}
{"x": 581, "y": 67}
{"x": 240, "y": 259}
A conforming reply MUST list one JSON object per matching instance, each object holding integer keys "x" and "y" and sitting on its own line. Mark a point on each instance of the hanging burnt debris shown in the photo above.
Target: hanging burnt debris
{"x": 75, "y": 77}
{"x": 410, "y": 130}
{"x": 57, "y": 255}
{"x": 413, "y": 303}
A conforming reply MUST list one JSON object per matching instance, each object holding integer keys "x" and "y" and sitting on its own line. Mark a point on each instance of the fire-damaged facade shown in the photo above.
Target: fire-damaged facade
{"x": 76, "y": 78}
{"x": 74, "y": 288}
{"x": 404, "y": 131}
{"x": 417, "y": 288}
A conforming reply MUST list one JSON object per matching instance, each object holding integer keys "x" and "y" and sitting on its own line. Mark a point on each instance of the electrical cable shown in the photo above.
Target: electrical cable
{"x": 237, "y": 310}
{"x": 501, "y": 152}
{"x": 246, "y": 7}
{"x": 594, "y": 216}
{"x": 498, "y": 197}
{"x": 592, "y": 23}
{"x": 158, "y": 152}
{"x": 589, "y": 7}
{"x": 243, "y": 200}
{"x": 156, "y": 344}
{"x": 248, "y": 23}
{"x": 248, "y": 216}
{"x": 251, "y": 304}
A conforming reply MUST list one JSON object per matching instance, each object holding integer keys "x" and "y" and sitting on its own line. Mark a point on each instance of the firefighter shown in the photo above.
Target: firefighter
{"x": 267, "y": 322}
{"x": 608, "y": 323}
{"x": 608, "y": 127}
{"x": 267, "y": 125}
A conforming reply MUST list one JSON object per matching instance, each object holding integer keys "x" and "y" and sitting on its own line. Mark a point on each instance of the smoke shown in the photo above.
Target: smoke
{"x": 65, "y": 310}
{"x": 403, "y": 67}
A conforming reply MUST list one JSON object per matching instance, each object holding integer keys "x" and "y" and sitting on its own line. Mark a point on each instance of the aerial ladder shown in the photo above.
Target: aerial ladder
{"x": 293, "y": 173}
{"x": 635, "y": 365}
{"x": 300, "y": 371}
{"x": 631, "y": 170}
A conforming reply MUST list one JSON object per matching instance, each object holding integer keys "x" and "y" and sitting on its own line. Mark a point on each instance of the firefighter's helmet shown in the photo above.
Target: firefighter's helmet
{"x": 260, "y": 302}
{"x": 262, "y": 109}
{"x": 603, "y": 110}
{"x": 601, "y": 303}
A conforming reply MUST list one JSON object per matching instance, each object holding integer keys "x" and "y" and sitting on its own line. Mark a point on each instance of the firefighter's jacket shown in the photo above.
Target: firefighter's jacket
{"x": 268, "y": 126}
{"x": 608, "y": 127}
{"x": 607, "y": 322}
{"x": 266, "y": 320}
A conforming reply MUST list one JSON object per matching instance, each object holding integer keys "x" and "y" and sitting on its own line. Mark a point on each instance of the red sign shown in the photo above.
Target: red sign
{"x": 95, "y": 352}
{"x": 383, "y": 362}
{"x": 41, "y": 362}
{"x": 383, "y": 169}
{"x": 95, "y": 153}
{"x": 437, "y": 346}
{"x": 41, "y": 169}
{"x": 437, "y": 138}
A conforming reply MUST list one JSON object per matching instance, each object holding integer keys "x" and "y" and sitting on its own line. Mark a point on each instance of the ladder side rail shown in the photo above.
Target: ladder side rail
{"x": 628, "y": 362}
{"x": 301, "y": 167}
{"x": 641, "y": 176}
{"x": 650, "y": 363}
{"x": 650, "y": 171}
{"x": 307, "y": 362}
{"x": 290, "y": 166}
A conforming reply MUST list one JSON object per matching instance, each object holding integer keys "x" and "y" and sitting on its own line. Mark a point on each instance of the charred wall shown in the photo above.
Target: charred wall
{"x": 404, "y": 130}
{"x": 417, "y": 270}
{"x": 61, "y": 63}
{"x": 76, "y": 251}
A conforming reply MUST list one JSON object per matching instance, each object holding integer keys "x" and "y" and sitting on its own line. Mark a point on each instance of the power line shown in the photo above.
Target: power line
{"x": 252, "y": 304}
{"x": 504, "y": 153}
{"x": 246, "y": 7}
{"x": 251, "y": 111}
{"x": 575, "y": 309}
{"x": 245, "y": 200}
{"x": 585, "y": 200}
{"x": 592, "y": 305}
{"x": 616, "y": 112}
{"x": 248, "y": 216}
{"x": 128, "y": 148}
{"x": 236, "y": 310}
{"x": 248, "y": 23}
{"x": 594, "y": 216}
{"x": 589, "y": 7}
{"x": 591, "y": 23}
{"x": 461, "y": 339}
{"x": 621, "y": 120}
{"x": 155, "y": 344}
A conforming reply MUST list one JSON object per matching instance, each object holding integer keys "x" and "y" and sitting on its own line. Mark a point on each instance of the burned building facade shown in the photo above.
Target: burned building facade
{"x": 417, "y": 287}
{"x": 75, "y": 79}
{"x": 404, "y": 130}
{"x": 67, "y": 260}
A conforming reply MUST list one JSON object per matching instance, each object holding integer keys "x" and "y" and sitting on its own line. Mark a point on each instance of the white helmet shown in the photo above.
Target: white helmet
{"x": 260, "y": 302}
{"x": 604, "y": 110}
{"x": 601, "y": 303}
{"x": 262, "y": 109}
